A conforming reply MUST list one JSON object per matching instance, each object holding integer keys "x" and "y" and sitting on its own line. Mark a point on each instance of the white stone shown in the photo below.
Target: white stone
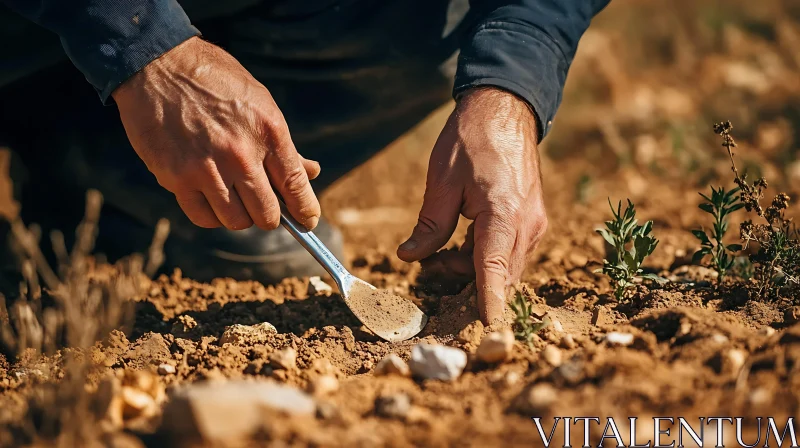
{"x": 736, "y": 357}
{"x": 166, "y": 369}
{"x": 539, "y": 398}
{"x": 617, "y": 338}
{"x": 437, "y": 362}
{"x": 392, "y": 364}
{"x": 233, "y": 410}
{"x": 767, "y": 331}
{"x": 318, "y": 287}
{"x": 496, "y": 346}
{"x": 238, "y": 334}
{"x": 719, "y": 338}
{"x": 511, "y": 378}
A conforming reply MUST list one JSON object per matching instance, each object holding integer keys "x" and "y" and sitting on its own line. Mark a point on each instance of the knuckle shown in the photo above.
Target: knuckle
{"x": 272, "y": 124}
{"x": 427, "y": 225}
{"x": 496, "y": 263}
{"x": 295, "y": 183}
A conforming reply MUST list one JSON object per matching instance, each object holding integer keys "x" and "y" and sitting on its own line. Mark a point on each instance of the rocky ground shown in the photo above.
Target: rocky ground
{"x": 241, "y": 363}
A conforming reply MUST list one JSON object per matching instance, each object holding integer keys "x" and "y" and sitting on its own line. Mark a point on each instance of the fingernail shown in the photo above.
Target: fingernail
{"x": 408, "y": 245}
{"x": 312, "y": 222}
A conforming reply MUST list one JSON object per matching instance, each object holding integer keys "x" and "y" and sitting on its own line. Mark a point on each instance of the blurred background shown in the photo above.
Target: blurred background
{"x": 650, "y": 79}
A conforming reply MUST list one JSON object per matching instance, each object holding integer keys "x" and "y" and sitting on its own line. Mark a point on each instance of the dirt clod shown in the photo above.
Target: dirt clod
{"x": 247, "y": 334}
{"x": 472, "y": 333}
{"x": 285, "y": 359}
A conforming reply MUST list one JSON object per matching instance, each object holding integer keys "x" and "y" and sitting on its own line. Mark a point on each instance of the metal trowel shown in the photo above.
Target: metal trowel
{"x": 389, "y": 316}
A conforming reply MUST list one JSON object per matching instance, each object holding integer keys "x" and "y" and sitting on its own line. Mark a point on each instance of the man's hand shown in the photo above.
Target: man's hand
{"x": 213, "y": 136}
{"x": 485, "y": 165}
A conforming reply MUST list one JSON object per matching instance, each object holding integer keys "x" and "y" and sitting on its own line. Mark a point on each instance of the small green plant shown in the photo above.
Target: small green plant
{"x": 525, "y": 326}
{"x": 776, "y": 264}
{"x": 720, "y": 205}
{"x": 632, "y": 244}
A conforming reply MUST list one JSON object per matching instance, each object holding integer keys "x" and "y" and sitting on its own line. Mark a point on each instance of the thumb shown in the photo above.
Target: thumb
{"x": 494, "y": 243}
{"x": 437, "y": 221}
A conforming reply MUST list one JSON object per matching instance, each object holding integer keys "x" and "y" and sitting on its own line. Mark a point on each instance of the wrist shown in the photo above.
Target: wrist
{"x": 494, "y": 100}
{"x": 489, "y": 97}
{"x": 157, "y": 69}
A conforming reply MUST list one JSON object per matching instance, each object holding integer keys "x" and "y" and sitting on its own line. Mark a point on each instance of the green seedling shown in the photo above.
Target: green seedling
{"x": 632, "y": 244}
{"x": 525, "y": 326}
{"x": 720, "y": 205}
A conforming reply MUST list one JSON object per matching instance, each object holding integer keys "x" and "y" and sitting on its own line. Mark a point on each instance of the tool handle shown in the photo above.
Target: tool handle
{"x": 314, "y": 246}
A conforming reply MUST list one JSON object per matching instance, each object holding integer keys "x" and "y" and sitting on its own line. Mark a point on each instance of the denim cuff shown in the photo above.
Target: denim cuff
{"x": 520, "y": 59}
{"x": 119, "y": 38}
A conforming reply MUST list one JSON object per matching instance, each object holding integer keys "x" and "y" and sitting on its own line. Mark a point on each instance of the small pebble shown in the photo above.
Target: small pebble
{"x": 323, "y": 385}
{"x": 552, "y": 355}
{"x": 283, "y": 359}
{"x": 719, "y": 338}
{"x": 393, "y": 406}
{"x": 392, "y": 364}
{"x": 568, "y": 342}
{"x": 318, "y": 287}
{"x": 539, "y": 398}
{"x": 326, "y": 410}
{"x": 767, "y": 331}
{"x": 760, "y": 396}
{"x": 166, "y": 369}
{"x": 511, "y": 378}
{"x": 736, "y": 358}
{"x": 496, "y": 346}
{"x": 617, "y": 338}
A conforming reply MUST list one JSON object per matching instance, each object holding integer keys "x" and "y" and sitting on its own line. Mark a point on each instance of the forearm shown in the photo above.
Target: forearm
{"x": 525, "y": 47}
{"x": 110, "y": 40}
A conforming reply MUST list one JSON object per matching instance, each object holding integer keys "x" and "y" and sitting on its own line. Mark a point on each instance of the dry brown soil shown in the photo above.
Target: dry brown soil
{"x": 698, "y": 350}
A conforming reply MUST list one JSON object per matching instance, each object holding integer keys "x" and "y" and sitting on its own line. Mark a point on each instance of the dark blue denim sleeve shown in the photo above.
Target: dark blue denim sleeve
{"x": 525, "y": 47}
{"x": 110, "y": 40}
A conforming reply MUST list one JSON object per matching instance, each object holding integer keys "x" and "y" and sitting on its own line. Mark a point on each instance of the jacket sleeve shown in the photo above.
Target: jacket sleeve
{"x": 110, "y": 40}
{"x": 525, "y": 47}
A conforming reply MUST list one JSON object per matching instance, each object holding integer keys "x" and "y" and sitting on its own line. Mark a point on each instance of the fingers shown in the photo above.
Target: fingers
{"x": 437, "y": 220}
{"x": 197, "y": 209}
{"x": 312, "y": 168}
{"x": 259, "y": 199}
{"x": 288, "y": 175}
{"x": 227, "y": 204}
{"x": 495, "y": 237}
